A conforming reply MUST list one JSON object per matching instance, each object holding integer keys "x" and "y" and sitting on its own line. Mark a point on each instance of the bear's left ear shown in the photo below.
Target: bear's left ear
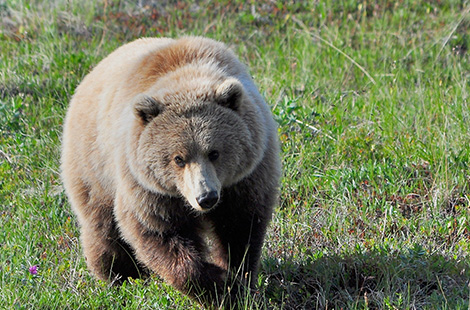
{"x": 146, "y": 108}
{"x": 229, "y": 94}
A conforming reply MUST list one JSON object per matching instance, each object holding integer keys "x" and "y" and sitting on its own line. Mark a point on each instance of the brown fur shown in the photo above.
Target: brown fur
{"x": 167, "y": 142}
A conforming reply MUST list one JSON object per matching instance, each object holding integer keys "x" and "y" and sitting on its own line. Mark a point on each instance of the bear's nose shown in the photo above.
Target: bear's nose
{"x": 208, "y": 200}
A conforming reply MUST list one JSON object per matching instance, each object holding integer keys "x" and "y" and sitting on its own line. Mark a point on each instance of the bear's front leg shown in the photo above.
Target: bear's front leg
{"x": 177, "y": 255}
{"x": 240, "y": 224}
{"x": 240, "y": 240}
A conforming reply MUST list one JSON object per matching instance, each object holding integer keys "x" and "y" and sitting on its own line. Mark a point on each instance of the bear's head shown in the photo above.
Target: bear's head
{"x": 196, "y": 138}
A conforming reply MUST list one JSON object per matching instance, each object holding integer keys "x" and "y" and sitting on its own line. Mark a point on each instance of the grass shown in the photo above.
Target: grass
{"x": 371, "y": 98}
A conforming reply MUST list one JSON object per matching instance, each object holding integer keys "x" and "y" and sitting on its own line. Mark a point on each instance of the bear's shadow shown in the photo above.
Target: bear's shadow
{"x": 372, "y": 280}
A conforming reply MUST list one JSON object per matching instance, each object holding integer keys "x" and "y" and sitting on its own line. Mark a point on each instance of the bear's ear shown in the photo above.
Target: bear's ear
{"x": 229, "y": 94}
{"x": 146, "y": 108}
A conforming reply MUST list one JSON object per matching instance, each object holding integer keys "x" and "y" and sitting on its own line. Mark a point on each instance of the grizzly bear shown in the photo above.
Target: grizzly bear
{"x": 170, "y": 161}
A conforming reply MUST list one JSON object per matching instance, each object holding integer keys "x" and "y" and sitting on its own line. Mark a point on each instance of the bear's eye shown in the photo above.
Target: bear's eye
{"x": 213, "y": 155}
{"x": 179, "y": 161}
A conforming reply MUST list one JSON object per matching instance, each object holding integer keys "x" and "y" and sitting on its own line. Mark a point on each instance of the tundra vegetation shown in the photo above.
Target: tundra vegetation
{"x": 371, "y": 98}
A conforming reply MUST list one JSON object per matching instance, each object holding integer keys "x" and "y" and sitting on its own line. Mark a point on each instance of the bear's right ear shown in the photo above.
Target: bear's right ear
{"x": 146, "y": 108}
{"x": 229, "y": 94}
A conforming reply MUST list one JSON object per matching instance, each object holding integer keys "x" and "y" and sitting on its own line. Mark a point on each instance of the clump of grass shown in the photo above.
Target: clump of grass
{"x": 378, "y": 279}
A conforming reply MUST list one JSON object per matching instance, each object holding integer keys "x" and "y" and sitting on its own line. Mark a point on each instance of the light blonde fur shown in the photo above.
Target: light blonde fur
{"x": 129, "y": 194}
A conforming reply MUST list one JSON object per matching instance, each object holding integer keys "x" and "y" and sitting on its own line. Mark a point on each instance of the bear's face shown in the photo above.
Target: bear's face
{"x": 197, "y": 146}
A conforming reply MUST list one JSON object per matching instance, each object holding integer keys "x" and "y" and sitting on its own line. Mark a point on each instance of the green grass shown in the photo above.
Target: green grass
{"x": 372, "y": 101}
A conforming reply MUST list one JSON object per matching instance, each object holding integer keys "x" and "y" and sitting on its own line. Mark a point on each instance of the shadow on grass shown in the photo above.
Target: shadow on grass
{"x": 372, "y": 280}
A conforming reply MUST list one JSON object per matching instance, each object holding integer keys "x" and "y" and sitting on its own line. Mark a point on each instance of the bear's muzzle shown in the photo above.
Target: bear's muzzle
{"x": 208, "y": 200}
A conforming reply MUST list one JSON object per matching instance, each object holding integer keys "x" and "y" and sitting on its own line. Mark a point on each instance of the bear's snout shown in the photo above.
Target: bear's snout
{"x": 200, "y": 185}
{"x": 208, "y": 200}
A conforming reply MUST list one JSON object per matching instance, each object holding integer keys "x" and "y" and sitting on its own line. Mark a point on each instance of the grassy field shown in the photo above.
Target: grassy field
{"x": 372, "y": 101}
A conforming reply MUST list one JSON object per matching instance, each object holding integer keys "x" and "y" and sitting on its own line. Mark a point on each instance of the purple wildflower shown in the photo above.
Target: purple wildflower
{"x": 33, "y": 269}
